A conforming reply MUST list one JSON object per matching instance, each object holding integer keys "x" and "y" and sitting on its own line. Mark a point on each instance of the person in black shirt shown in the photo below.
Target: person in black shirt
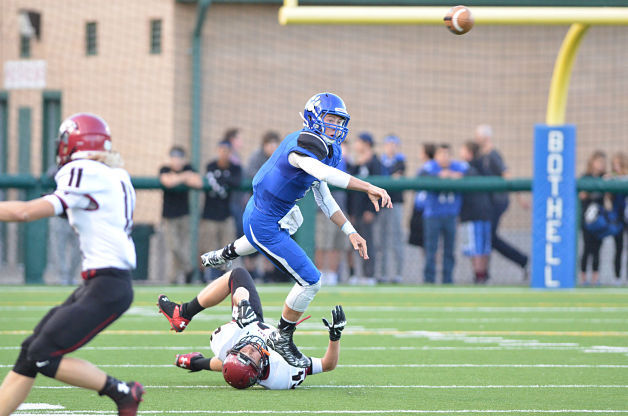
{"x": 360, "y": 206}
{"x": 416, "y": 221}
{"x": 475, "y": 217}
{"x": 238, "y": 199}
{"x": 217, "y": 225}
{"x": 591, "y": 202}
{"x": 176, "y": 211}
{"x": 492, "y": 164}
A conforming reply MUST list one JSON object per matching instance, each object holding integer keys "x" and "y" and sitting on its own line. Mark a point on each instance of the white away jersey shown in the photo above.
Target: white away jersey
{"x": 281, "y": 375}
{"x": 99, "y": 202}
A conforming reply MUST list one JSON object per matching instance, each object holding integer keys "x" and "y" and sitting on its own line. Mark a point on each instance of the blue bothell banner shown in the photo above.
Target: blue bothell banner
{"x": 554, "y": 207}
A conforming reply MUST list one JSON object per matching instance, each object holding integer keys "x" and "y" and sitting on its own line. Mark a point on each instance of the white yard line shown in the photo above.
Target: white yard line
{"x": 410, "y": 348}
{"x": 320, "y": 412}
{"x": 507, "y": 386}
{"x": 374, "y": 332}
{"x": 224, "y": 317}
{"x": 619, "y": 291}
{"x": 394, "y": 309}
{"x": 484, "y": 365}
{"x": 384, "y": 386}
{"x": 397, "y": 365}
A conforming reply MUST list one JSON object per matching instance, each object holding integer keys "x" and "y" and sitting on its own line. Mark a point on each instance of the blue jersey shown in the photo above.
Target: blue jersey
{"x": 278, "y": 185}
{"x": 441, "y": 204}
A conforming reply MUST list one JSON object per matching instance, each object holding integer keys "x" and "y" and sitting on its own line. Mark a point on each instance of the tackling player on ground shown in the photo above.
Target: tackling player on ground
{"x": 98, "y": 199}
{"x": 305, "y": 159}
{"x": 240, "y": 346}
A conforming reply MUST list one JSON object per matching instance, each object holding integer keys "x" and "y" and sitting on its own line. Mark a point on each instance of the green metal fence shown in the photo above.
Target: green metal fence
{"x": 35, "y": 241}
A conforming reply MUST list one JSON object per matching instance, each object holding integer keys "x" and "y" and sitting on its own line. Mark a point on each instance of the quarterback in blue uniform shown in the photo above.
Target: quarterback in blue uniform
{"x": 305, "y": 159}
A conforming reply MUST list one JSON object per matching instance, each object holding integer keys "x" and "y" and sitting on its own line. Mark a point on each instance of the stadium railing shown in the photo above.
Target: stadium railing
{"x": 35, "y": 233}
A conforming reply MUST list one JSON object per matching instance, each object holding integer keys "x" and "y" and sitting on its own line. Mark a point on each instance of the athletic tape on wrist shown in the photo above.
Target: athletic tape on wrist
{"x": 347, "y": 228}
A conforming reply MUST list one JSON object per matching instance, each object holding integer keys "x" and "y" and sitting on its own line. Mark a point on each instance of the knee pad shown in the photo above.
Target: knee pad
{"x": 44, "y": 363}
{"x": 23, "y": 365}
{"x": 300, "y": 296}
{"x": 240, "y": 277}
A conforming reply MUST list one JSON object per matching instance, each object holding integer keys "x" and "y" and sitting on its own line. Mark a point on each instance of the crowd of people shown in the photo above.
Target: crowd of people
{"x": 436, "y": 216}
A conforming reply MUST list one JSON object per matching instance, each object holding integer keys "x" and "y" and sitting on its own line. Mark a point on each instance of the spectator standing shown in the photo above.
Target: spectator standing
{"x": 360, "y": 206}
{"x": 619, "y": 170}
{"x": 238, "y": 199}
{"x": 492, "y": 164}
{"x": 270, "y": 142}
{"x": 475, "y": 218}
{"x": 391, "y": 241}
{"x": 592, "y": 203}
{"x": 217, "y": 224}
{"x": 416, "y": 221}
{"x": 175, "y": 213}
{"x": 64, "y": 255}
{"x": 439, "y": 216}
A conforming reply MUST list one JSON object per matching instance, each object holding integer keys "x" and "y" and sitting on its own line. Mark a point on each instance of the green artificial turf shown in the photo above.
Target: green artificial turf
{"x": 406, "y": 350}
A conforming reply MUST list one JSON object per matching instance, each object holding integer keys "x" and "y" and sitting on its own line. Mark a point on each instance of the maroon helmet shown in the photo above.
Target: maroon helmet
{"x": 239, "y": 369}
{"x": 82, "y": 132}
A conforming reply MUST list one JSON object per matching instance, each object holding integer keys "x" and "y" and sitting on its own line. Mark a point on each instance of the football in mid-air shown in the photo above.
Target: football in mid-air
{"x": 459, "y": 20}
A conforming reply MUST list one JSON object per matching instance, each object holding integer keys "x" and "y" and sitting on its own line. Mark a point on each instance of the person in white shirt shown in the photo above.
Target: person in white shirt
{"x": 98, "y": 199}
{"x": 243, "y": 348}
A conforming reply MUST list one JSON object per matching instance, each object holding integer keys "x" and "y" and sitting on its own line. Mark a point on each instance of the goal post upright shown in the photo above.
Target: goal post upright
{"x": 559, "y": 86}
{"x": 554, "y": 222}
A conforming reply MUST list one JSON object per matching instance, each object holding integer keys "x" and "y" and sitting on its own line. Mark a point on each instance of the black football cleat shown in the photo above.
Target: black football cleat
{"x": 128, "y": 406}
{"x": 281, "y": 342}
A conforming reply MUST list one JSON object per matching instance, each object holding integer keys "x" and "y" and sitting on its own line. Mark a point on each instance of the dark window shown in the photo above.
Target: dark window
{"x": 51, "y": 113}
{"x": 91, "y": 40}
{"x": 155, "y": 36}
{"x": 24, "y": 133}
{"x": 4, "y": 121}
{"x": 25, "y": 46}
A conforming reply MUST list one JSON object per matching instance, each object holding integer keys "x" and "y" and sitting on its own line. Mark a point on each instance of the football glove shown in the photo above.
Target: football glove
{"x": 246, "y": 314}
{"x": 338, "y": 322}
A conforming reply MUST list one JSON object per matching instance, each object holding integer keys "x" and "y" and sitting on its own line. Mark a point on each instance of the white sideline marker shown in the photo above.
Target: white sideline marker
{"x": 39, "y": 406}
